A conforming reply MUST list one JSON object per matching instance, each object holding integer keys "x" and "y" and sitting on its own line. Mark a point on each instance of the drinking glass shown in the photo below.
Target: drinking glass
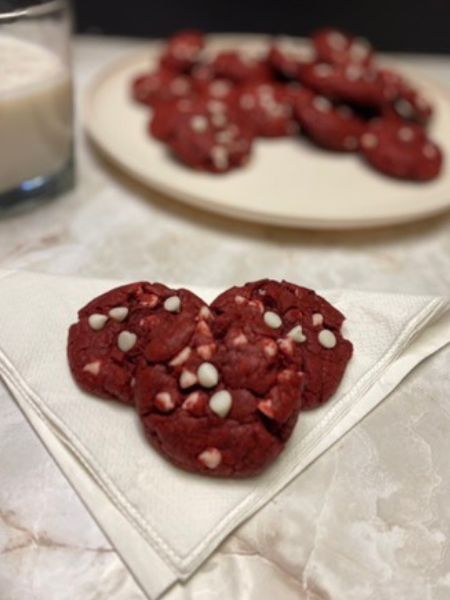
{"x": 36, "y": 109}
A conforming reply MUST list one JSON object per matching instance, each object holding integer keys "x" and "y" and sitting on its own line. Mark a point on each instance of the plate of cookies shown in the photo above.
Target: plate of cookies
{"x": 316, "y": 133}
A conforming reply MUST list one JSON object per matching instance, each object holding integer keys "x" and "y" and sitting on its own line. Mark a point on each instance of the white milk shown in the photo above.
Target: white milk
{"x": 35, "y": 112}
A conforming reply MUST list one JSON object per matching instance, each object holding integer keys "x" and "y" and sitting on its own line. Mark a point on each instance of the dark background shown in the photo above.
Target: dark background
{"x": 399, "y": 25}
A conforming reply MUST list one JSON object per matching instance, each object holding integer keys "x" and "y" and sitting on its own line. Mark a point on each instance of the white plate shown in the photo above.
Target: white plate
{"x": 288, "y": 182}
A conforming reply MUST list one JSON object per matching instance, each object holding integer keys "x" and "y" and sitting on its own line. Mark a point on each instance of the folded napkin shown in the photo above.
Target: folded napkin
{"x": 162, "y": 521}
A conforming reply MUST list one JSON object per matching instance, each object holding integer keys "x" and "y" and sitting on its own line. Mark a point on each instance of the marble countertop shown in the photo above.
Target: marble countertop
{"x": 374, "y": 518}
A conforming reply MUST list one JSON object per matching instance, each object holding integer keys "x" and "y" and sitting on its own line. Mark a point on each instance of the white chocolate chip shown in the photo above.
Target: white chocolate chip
{"x": 360, "y": 49}
{"x": 205, "y": 313}
{"x": 220, "y": 88}
{"x": 266, "y": 407}
{"x": 219, "y": 120}
{"x": 149, "y": 300}
{"x": 206, "y": 351}
{"x": 240, "y": 339}
{"x": 184, "y": 51}
{"x": 336, "y": 40}
{"x": 272, "y": 320}
{"x": 323, "y": 70}
{"x": 216, "y": 106}
{"x": 219, "y": 157}
{"x": 203, "y": 328}
{"x": 240, "y": 299}
{"x": 172, "y": 304}
{"x": 429, "y": 151}
{"x": 97, "y": 321}
{"x": 257, "y": 304}
{"x": 199, "y": 123}
{"x": 181, "y": 357}
{"x": 286, "y": 346}
{"x": 322, "y": 104}
{"x": 211, "y": 458}
{"x": 164, "y": 401}
{"x": 296, "y": 334}
{"x": 287, "y": 375}
{"x": 270, "y": 348}
{"x": 369, "y": 140}
{"x": 93, "y": 367}
{"x": 126, "y": 340}
{"x": 406, "y": 134}
{"x": 404, "y": 108}
{"x": 120, "y": 313}
{"x": 317, "y": 319}
{"x": 191, "y": 401}
{"x": 187, "y": 379}
{"x": 327, "y": 339}
{"x": 208, "y": 375}
{"x": 353, "y": 72}
{"x": 220, "y": 403}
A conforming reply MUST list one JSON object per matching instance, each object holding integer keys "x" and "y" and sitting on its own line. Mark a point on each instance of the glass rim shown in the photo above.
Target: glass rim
{"x": 34, "y": 10}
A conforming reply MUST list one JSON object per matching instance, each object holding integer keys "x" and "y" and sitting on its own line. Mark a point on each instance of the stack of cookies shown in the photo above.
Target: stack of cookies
{"x": 218, "y": 387}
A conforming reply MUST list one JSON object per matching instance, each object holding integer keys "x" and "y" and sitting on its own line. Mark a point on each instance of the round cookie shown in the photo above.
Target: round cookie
{"x": 304, "y": 327}
{"x": 212, "y": 139}
{"x": 228, "y": 402}
{"x": 334, "y": 46}
{"x": 331, "y": 127}
{"x": 401, "y": 149}
{"x": 352, "y": 83}
{"x": 287, "y": 59}
{"x": 117, "y": 329}
{"x": 161, "y": 86}
{"x": 267, "y": 108}
{"x": 183, "y": 51}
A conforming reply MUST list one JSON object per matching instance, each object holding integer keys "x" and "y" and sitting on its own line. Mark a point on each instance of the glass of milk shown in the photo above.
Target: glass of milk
{"x": 36, "y": 112}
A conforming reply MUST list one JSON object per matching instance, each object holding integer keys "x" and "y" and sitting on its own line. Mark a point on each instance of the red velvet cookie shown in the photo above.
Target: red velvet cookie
{"x": 227, "y": 403}
{"x": 329, "y": 126}
{"x": 401, "y": 149}
{"x": 183, "y": 51}
{"x": 267, "y": 108}
{"x": 213, "y": 139}
{"x": 117, "y": 329}
{"x": 304, "y": 327}
{"x": 161, "y": 86}
{"x": 334, "y": 46}
{"x": 352, "y": 83}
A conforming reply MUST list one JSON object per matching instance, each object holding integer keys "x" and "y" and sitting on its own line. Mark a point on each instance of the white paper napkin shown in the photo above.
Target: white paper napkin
{"x": 165, "y": 522}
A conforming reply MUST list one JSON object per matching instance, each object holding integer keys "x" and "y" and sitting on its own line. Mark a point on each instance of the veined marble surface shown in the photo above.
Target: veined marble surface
{"x": 369, "y": 520}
